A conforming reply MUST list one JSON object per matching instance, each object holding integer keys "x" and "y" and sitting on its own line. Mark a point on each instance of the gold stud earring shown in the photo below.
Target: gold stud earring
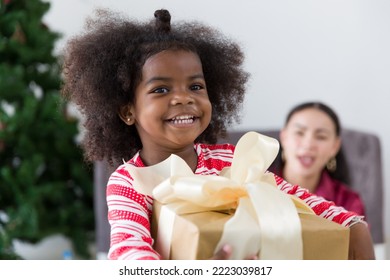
{"x": 331, "y": 165}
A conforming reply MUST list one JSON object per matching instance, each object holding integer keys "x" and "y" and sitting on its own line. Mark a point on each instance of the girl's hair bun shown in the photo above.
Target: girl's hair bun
{"x": 163, "y": 20}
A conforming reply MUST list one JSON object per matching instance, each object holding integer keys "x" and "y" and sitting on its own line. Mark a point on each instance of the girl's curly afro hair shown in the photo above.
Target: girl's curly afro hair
{"x": 102, "y": 66}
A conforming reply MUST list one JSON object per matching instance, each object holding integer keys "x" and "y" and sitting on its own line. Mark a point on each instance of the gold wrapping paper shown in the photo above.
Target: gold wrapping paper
{"x": 195, "y": 236}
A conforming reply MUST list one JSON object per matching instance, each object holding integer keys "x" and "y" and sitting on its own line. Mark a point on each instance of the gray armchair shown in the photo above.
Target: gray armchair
{"x": 362, "y": 151}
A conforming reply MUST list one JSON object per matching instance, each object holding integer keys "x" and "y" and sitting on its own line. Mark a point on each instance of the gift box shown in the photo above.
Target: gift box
{"x": 195, "y": 215}
{"x": 195, "y": 236}
{"x": 323, "y": 239}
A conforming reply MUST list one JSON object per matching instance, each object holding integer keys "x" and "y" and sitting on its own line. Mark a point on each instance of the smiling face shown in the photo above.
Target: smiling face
{"x": 171, "y": 107}
{"x": 309, "y": 141}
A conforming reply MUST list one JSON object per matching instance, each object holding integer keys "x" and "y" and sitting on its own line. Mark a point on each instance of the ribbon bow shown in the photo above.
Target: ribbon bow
{"x": 265, "y": 221}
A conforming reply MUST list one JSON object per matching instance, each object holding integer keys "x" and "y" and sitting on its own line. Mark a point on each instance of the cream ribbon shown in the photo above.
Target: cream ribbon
{"x": 265, "y": 222}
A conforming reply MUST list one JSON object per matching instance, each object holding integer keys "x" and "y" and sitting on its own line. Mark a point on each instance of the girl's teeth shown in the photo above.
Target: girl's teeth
{"x": 183, "y": 117}
{"x": 183, "y": 121}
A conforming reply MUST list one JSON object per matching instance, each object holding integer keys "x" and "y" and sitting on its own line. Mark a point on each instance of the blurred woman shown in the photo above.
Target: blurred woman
{"x": 311, "y": 155}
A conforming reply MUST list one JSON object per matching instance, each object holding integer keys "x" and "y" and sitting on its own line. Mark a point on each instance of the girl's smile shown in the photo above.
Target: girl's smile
{"x": 183, "y": 121}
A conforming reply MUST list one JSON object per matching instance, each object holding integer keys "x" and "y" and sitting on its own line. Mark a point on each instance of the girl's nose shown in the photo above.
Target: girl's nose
{"x": 182, "y": 97}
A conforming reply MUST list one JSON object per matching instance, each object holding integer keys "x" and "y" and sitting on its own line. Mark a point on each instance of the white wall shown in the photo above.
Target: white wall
{"x": 336, "y": 51}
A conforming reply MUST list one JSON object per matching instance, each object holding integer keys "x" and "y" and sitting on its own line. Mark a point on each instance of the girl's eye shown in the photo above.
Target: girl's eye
{"x": 196, "y": 87}
{"x": 160, "y": 90}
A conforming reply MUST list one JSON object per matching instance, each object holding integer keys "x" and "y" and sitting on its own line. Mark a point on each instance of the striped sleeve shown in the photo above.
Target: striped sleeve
{"x": 322, "y": 207}
{"x": 129, "y": 214}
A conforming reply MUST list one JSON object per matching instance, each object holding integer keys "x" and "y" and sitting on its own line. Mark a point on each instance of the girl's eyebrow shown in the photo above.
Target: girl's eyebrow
{"x": 153, "y": 79}
{"x": 197, "y": 76}
{"x": 162, "y": 78}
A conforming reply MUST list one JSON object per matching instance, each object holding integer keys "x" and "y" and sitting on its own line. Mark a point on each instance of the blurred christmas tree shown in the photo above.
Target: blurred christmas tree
{"x": 45, "y": 187}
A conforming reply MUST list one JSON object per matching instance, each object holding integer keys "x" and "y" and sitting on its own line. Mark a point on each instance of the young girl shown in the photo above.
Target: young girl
{"x": 149, "y": 90}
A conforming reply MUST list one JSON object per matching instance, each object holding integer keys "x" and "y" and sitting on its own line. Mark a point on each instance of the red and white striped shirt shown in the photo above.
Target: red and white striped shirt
{"x": 129, "y": 212}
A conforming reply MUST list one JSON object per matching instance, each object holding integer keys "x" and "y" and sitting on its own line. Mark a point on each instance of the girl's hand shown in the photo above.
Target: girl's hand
{"x": 225, "y": 252}
{"x": 360, "y": 243}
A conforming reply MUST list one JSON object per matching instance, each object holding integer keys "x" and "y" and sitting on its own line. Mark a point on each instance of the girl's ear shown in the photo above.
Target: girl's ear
{"x": 126, "y": 114}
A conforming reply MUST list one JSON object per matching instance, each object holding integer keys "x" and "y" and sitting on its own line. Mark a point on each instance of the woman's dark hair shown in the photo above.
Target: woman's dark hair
{"x": 103, "y": 65}
{"x": 342, "y": 172}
